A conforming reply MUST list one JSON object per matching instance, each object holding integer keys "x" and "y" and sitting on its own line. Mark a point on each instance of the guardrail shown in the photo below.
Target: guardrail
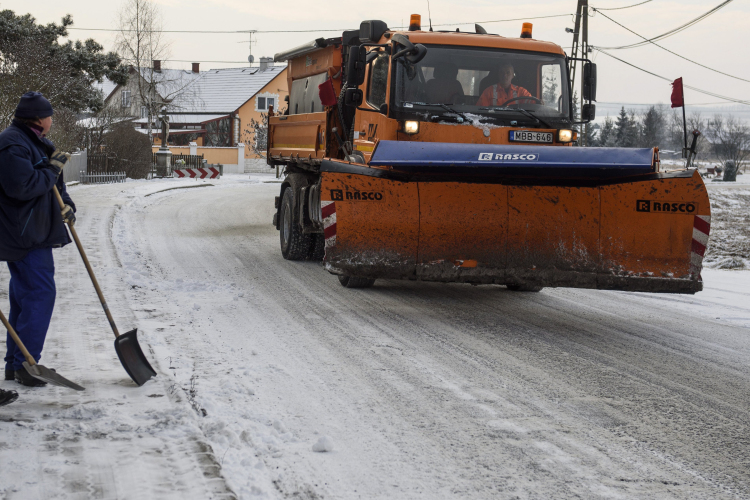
{"x": 102, "y": 178}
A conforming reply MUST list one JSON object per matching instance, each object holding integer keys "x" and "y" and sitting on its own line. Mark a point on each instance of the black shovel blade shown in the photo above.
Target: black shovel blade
{"x": 46, "y": 375}
{"x": 132, "y": 357}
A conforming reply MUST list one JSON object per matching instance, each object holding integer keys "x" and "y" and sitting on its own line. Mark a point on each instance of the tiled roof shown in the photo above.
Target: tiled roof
{"x": 225, "y": 90}
{"x": 216, "y": 91}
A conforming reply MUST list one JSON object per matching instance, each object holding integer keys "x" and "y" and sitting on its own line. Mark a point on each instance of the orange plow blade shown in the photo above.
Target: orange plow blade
{"x": 639, "y": 233}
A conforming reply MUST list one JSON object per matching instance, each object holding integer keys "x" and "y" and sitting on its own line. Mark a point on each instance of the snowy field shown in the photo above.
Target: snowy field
{"x": 275, "y": 382}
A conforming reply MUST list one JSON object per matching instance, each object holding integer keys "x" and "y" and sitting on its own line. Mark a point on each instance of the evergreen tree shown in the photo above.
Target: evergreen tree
{"x": 607, "y": 134}
{"x": 33, "y": 58}
{"x": 632, "y": 132}
{"x": 652, "y": 128}
{"x": 622, "y": 126}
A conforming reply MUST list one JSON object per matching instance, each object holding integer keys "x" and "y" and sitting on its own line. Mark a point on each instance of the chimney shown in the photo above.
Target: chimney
{"x": 157, "y": 65}
{"x": 196, "y": 67}
{"x": 265, "y": 63}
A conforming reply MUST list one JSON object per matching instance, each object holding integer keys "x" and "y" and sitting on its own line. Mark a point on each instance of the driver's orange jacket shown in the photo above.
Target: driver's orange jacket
{"x": 496, "y": 95}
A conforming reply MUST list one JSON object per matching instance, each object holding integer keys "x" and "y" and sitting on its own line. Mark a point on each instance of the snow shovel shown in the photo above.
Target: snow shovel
{"x": 38, "y": 371}
{"x": 126, "y": 345}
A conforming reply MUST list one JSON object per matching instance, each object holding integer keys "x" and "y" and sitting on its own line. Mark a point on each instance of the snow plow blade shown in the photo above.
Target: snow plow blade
{"x": 600, "y": 218}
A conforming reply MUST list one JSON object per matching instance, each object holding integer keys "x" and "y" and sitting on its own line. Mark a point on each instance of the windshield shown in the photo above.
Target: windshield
{"x": 487, "y": 82}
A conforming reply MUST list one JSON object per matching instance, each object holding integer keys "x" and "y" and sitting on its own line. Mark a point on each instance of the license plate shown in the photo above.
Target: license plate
{"x": 530, "y": 136}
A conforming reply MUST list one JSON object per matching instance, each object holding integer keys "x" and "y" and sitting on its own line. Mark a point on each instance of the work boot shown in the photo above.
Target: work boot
{"x": 10, "y": 374}
{"x": 24, "y": 378}
{"x": 7, "y": 397}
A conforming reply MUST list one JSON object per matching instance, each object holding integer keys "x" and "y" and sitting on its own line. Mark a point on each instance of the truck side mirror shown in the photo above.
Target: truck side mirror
{"x": 589, "y": 82}
{"x": 355, "y": 66}
{"x": 412, "y": 53}
{"x": 588, "y": 112}
{"x": 353, "y": 97}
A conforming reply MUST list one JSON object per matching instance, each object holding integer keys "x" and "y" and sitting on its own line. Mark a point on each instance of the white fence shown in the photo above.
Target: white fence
{"x": 103, "y": 178}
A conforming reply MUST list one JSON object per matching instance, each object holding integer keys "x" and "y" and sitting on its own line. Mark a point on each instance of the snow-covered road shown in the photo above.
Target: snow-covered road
{"x": 422, "y": 390}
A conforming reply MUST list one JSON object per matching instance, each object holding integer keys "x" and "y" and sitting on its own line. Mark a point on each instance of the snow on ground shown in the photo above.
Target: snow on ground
{"x": 729, "y": 245}
{"x": 275, "y": 382}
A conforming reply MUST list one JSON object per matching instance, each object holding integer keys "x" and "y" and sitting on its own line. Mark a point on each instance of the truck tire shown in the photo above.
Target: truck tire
{"x": 354, "y": 282}
{"x": 524, "y": 288}
{"x": 295, "y": 244}
{"x": 317, "y": 248}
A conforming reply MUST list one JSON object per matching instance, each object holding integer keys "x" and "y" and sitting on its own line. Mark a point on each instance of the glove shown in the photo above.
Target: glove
{"x": 58, "y": 161}
{"x": 68, "y": 215}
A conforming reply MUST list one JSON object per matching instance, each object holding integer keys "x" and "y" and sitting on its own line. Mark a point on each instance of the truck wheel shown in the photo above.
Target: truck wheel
{"x": 354, "y": 282}
{"x": 318, "y": 247}
{"x": 294, "y": 243}
{"x": 524, "y": 288}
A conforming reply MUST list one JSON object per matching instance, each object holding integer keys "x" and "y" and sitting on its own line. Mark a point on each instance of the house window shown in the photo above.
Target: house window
{"x": 265, "y": 101}
{"x": 125, "y": 98}
{"x": 144, "y": 112}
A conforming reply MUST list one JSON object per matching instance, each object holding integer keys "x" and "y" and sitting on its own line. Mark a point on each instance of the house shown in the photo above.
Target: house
{"x": 213, "y": 108}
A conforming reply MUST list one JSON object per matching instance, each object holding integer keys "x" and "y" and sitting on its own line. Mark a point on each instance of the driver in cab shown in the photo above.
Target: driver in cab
{"x": 503, "y": 91}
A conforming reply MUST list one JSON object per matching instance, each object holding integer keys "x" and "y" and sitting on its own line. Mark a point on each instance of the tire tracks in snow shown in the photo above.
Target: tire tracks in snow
{"x": 437, "y": 391}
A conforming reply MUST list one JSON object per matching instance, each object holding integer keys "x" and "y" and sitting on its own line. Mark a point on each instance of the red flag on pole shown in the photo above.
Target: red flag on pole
{"x": 678, "y": 99}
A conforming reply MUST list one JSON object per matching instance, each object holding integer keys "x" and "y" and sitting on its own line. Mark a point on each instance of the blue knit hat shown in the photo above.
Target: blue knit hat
{"x": 33, "y": 105}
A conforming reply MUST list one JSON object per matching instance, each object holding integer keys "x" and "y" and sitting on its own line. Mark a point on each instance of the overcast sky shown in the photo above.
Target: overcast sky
{"x": 721, "y": 41}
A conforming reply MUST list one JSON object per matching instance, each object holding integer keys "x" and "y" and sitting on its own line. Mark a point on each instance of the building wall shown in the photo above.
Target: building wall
{"x": 276, "y": 88}
{"x": 114, "y": 103}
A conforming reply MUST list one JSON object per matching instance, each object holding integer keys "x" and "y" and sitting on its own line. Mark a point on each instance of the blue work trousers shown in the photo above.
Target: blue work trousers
{"x": 32, "y": 298}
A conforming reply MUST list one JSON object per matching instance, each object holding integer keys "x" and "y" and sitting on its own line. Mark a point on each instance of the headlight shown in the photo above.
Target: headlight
{"x": 411, "y": 127}
{"x": 566, "y": 136}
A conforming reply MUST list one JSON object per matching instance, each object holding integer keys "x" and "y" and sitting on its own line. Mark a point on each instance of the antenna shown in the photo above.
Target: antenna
{"x": 429, "y": 14}
{"x": 251, "y": 58}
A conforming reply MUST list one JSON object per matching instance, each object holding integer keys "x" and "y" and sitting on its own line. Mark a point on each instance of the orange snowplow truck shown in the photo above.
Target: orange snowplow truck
{"x": 446, "y": 156}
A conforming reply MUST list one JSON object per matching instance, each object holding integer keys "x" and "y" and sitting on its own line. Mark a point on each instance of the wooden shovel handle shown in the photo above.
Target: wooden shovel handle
{"x": 88, "y": 267}
{"x": 17, "y": 340}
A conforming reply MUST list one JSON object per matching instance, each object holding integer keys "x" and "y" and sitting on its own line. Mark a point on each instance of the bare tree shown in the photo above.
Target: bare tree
{"x": 97, "y": 127}
{"x": 139, "y": 42}
{"x": 66, "y": 133}
{"x": 730, "y": 139}
{"x": 256, "y": 135}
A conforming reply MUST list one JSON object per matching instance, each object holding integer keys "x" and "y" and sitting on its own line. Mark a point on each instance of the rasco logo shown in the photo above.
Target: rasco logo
{"x": 341, "y": 195}
{"x": 508, "y": 156}
{"x": 679, "y": 207}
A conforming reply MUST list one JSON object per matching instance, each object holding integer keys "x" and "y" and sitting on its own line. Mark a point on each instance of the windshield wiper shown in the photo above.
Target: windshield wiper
{"x": 444, "y": 106}
{"x": 532, "y": 115}
{"x": 522, "y": 111}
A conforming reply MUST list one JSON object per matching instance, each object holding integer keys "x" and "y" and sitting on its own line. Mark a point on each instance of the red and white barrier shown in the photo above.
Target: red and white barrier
{"x": 701, "y": 229}
{"x": 328, "y": 211}
{"x": 197, "y": 173}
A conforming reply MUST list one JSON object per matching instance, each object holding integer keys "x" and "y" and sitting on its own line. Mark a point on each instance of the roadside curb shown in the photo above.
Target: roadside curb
{"x": 179, "y": 187}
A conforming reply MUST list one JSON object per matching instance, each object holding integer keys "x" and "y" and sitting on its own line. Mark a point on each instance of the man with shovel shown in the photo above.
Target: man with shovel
{"x": 31, "y": 225}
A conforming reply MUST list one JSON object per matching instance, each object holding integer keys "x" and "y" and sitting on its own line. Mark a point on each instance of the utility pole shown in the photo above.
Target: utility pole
{"x": 580, "y": 32}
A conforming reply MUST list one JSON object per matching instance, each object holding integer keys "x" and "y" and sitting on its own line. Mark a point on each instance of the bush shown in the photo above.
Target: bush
{"x": 131, "y": 149}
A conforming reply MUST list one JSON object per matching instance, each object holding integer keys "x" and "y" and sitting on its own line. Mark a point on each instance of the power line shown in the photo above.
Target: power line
{"x": 507, "y": 20}
{"x": 205, "y": 31}
{"x": 308, "y": 31}
{"x": 671, "y": 52}
{"x": 718, "y": 96}
{"x": 620, "y": 8}
{"x": 673, "y": 31}
{"x": 656, "y": 103}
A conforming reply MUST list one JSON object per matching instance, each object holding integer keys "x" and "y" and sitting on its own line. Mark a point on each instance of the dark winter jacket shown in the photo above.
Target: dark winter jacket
{"x": 29, "y": 212}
